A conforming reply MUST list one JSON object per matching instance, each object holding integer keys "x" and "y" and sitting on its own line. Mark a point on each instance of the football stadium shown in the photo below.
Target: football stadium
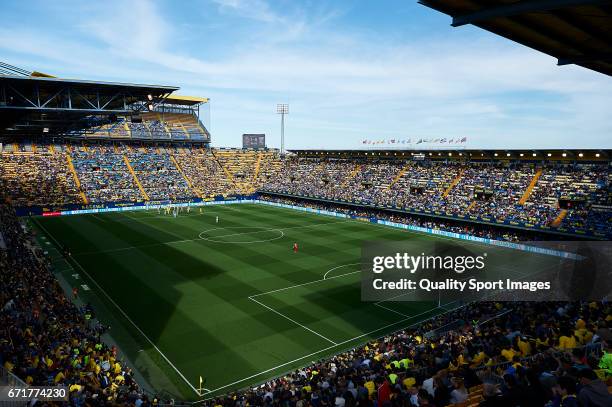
{"x": 145, "y": 262}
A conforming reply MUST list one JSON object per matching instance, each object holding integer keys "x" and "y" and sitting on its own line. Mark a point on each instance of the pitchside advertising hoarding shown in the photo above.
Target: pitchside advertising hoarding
{"x": 449, "y": 272}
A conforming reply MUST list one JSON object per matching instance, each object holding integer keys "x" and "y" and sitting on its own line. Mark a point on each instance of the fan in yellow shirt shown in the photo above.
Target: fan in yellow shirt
{"x": 478, "y": 359}
{"x": 9, "y": 366}
{"x": 567, "y": 342}
{"x": 409, "y": 382}
{"x": 59, "y": 377}
{"x": 370, "y": 386}
{"x": 524, "y": 346}
{"x": 508, "y": 353}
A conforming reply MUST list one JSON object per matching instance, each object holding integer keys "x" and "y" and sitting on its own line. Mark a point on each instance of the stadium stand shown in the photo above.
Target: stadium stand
{"x": 178, "y": 126}
{"x": 45, "y": 338}
{"x": 239, "y": 166}
{"x": 206, "y": 174}
{"x": 37, "y": 178}
{"x": 481, "y": 354}
{"x": 570, "y": 197}
{"x": 158, "y": 175}
{"x": 104, "y": 175}
{"x": 500, "y": 191}
{"x": 153, "y": 126}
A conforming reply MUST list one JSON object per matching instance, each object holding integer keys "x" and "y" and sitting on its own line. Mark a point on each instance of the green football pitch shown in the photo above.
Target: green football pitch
{"x": 229, "y": 301}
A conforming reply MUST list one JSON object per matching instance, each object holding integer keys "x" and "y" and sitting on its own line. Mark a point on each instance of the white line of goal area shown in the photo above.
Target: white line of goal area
{"x": 126, "y": 316}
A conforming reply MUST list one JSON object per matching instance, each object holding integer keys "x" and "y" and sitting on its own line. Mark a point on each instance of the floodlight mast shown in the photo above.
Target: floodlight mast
{"x": 282, "y": 109}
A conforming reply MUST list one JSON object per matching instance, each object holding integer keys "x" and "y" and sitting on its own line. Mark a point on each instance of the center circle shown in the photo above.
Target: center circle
{"x": 241, "y": 234}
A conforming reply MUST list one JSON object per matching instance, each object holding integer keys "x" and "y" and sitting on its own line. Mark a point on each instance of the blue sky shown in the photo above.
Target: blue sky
{"x": 351, "y": 70}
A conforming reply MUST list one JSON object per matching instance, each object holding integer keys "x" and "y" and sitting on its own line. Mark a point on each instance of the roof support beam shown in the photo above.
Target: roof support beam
{"x": 595, "y": 31}
{"x": 520, "y": 7}
{"x": 584, "y": 59}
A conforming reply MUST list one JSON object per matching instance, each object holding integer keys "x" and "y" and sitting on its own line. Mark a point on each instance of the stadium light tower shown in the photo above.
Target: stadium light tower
{"x": 282, "y": 109}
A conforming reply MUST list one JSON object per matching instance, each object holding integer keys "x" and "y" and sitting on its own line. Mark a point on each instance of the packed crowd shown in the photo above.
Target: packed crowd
{"x": 104, "y": 175}
{"x": 487, "y": 354}
{"x": 244, "y": 167}
{"x": 178, "y": 126}
{"x": 448, "y": 225}
{"x": 45, "y": 339}
{"x": 37, "y": 179}
{"x": 153, "y": 125}
{"x": 505, "y": 354}
{"x": 510, "y": 192}
{"x": 158, "y": 175}
{"x": 157, "y": 128}
{"x": 205, "y": 173}
{"x": 485, "y": 190}
{"x": 139, "y": 130}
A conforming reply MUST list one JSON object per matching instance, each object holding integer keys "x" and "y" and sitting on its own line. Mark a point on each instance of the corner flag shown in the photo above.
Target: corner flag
{"x": 201, "y": 382}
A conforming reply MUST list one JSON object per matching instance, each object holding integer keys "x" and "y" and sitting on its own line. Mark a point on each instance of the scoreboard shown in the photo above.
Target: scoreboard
{"x": 254, "y": 141}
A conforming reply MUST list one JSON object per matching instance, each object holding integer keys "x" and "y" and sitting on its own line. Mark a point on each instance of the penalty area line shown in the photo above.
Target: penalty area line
{"x": 308, "y": 283}
{"x": 333, "y": 346}
{"x": 292, "y": 320}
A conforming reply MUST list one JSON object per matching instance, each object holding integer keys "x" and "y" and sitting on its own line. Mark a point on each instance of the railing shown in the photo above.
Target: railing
{"x": 596, "y": 348}
{"x": 458, "y": 323}
{"x": 9, "y": 379}
{"x": 451, "y": 326}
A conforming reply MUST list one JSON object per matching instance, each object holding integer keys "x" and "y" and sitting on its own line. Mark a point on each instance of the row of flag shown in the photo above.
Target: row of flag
{"x": 458, "y": 140}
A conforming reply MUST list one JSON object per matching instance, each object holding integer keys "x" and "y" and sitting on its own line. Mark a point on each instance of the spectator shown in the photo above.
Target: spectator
{"x": 566, "y": 387}
{"x": 593, "y": 392}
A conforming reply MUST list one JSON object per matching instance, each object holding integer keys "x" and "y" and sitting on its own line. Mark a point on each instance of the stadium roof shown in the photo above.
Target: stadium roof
{"x": 185, "y": 100}
{"x": 86, "y": 84}
{"x": 33, "y": 105}
{"x": 573, "y": 31}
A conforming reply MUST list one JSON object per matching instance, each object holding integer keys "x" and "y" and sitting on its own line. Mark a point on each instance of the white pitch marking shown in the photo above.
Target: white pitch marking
{"x": 292, "y": 320}
{"x": 303, "y": 284}
{"x": 125, "y": 315}
{"x": 208, "y": 239}
{"x": 190, "y": 240}
{"x": 335, "y": 268}
{"x": 389, "y": 309}
{"x": 331, "y": 347}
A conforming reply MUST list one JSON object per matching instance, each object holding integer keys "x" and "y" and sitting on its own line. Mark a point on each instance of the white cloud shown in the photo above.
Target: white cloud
{"x": 343, "y": 84}
{"x": 254, "y": 9}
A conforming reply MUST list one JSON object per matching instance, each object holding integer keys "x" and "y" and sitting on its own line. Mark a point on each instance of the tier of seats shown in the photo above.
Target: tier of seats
{"x": 158, "y": 174}
{"x": 490, "y": 191}
{"x": 154, "y": 125}
{"x": 205, "y": 173}
{"x": 104, "y": 175}
{"x": 574, "y": 198}
{"x": 40, "y": 178}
